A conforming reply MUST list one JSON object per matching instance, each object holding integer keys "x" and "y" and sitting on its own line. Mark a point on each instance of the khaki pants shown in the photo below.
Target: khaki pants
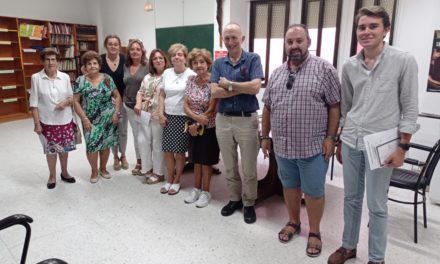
{"x": 242, "y": 132}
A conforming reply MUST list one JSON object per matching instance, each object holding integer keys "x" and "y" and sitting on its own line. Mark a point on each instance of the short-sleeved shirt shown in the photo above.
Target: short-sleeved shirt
{"x": 247, "y": 68}
{"x": 174, "y": 85}
{"x": 46, "y": 93}
{"x": 118, "y": 75}
{"x": 150, "y": 94}
{"x": 132, "y": 84}
{"x": 299, "y": 116}
{"x": 198, "y": 98}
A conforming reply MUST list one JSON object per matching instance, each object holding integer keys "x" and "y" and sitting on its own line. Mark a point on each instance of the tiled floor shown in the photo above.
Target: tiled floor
{"x": 123, "y": 220}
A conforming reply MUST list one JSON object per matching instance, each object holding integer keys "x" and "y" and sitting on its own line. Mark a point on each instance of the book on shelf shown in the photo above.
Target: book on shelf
{"x": 28, "y": 63}
{"x": 60, "y": 29}
{"x": 29, "y": 50}
{"x": 10, "y": 100}
{"x": 31, "y": 31}
{"x": 6, "y": 58}
{"x": 61, "y": 40}
{"x": 5, "y": 42}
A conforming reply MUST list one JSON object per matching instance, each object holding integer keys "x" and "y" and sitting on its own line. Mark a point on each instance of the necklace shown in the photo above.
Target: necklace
{"x": 178, "y": 76}
{"x": 115, "y": 62}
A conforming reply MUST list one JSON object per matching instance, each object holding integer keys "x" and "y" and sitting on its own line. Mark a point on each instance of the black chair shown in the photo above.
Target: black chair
{"x": 24, "y": 220}
{"x": 418, "y": 182}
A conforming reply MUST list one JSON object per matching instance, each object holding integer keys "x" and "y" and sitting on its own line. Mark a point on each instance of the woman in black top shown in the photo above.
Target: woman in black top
{"x": 113, "y": 65}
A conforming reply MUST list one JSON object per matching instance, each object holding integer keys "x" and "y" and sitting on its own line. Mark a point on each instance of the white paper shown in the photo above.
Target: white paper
{"x": 379, "y": 146}
{"x": 143, "y": 118}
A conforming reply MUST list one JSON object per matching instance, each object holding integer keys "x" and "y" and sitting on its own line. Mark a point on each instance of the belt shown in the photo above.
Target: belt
{"x": 242, "y": 114}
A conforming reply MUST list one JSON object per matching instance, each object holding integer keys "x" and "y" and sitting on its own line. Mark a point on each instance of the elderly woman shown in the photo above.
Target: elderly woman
{"x": 200, "y": 109}
{"x": 98, "y": 114}
{"x": 135, "y": 69}
{"x": 172, "y": 117}
{"x": 150, "y": 132}
{"x": 113, "y": 65}
{"x": 50, "y": 102}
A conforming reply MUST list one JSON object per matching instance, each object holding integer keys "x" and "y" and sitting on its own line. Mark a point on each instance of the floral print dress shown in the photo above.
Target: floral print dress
{"x": 99, "y": 109}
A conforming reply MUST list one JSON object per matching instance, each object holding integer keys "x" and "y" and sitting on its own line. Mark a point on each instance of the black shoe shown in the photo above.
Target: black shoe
{"x": 51, "y": 185}
{"x": 249, "y": 214}
{"x": 69, "y": 180}
{"x": 231, "y": 207}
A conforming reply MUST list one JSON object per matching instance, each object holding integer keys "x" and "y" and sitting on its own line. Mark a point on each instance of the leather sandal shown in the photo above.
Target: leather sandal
{"x": 290, "y": 234}
{"x": 155, "y": 179}
{"x": 317, "y": 247}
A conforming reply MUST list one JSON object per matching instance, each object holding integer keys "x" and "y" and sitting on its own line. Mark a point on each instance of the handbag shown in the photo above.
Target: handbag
{"x": 76, "y": 129}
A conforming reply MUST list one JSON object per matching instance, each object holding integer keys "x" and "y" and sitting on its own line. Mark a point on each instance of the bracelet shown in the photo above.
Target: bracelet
{"x": 266, "y": 137}
{"x": 85, "y": 118}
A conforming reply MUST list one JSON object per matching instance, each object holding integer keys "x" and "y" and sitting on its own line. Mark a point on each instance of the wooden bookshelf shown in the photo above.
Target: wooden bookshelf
{"x": 13, "y": 100}
{"x": 21, "y": 41}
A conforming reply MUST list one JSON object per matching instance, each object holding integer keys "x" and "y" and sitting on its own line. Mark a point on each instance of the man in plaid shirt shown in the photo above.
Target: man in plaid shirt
{"x": 301, "y": 109}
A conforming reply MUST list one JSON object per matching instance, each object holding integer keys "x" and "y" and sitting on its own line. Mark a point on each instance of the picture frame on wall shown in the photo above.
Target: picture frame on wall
{"x": 434, "y": 67}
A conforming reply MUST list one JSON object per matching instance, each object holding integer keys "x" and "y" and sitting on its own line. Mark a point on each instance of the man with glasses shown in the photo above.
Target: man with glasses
{"x": 379, "y": 92}
{"x": 236, "y": 79}
{"x": 301, "y": 108}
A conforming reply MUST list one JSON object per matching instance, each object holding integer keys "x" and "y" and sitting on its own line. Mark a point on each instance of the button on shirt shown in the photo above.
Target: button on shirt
{"x": 299, "y": 116}
{"x": 247, "y": 68}
{"x": 382, "y": 98}
{"x": 47, "y": 93}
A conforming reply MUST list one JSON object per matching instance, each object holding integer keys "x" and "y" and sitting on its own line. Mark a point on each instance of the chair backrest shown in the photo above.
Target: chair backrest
{"x": 431, "y": 163}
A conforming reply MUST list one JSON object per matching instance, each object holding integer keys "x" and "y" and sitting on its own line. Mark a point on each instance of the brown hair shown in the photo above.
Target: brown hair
{"x": 49, "y": 52}
{"x": 128, "y": 60}
{"x": 111, "y": 37}
{"x": 374, "y": 11}
{"x": 150, "y": 60}
{"x": 90, "y": 55}
{"x": 206, "y": 55}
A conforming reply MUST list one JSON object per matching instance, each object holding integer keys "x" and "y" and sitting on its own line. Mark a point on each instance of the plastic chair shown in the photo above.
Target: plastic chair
{"x": 418, "y": 182}
{"x": 24, "y": 220}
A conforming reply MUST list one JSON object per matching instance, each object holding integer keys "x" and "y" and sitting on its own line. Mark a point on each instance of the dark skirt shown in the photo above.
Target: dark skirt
{"x": 175, "y": 139}
{"x": 204, "y": 149}
{"x": 58, "y": 138}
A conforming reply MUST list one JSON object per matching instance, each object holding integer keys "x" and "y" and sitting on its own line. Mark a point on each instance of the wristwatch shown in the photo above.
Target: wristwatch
{"x": 230, "y": 86}
{"x": 404, "y": 146}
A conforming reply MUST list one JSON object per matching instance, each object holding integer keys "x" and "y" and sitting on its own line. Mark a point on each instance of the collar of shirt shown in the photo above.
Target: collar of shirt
{"x": 43, "y": 75}
{"x": 361, "y": 58}
{"x": 242, "y": 59}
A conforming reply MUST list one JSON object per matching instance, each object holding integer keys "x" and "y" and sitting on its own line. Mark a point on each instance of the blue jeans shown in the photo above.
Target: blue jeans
{"x": 357, "y": 177}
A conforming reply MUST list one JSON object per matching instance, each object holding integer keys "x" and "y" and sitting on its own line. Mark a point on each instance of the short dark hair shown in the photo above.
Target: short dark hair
{"x": 306, "y": 30}
{"x": 90, "y": 55}
{"x": 111, "y": 37}
{"x": 151, "y": 68}
{"x": 374, "y": 11}
{"x": 49, "y": 52}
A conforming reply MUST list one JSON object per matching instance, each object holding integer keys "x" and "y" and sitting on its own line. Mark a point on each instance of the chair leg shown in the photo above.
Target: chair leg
{"x": 415, "y": 218}
{"x": 425, "y": 222}
{"x": 331, "y": 168}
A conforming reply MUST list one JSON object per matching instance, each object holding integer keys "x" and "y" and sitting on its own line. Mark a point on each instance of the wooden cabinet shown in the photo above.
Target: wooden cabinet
{"x": 13, "y": 100}
{"x": 21, "y": 41}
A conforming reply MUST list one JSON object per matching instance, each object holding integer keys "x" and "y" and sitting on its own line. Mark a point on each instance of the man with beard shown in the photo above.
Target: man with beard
{"x": 301, "y": 108}
{"x": 236, "y": 79}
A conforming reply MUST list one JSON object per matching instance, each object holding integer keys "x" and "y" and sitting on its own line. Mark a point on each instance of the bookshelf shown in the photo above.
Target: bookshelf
{"x": 13, "y": 101}
{"x": 86, "y": 39}
{"x": 63, "y": 40}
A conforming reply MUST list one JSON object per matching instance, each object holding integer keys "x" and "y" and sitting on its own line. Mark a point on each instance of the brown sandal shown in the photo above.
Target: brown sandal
{"x": 290, "y": 234}
{"x": 317, "y": 247}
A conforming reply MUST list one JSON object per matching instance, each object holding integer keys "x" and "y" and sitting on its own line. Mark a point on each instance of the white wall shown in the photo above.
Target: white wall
{"x": 78, "y": 11}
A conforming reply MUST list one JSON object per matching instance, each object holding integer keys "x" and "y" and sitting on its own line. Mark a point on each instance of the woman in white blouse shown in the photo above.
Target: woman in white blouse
{"x": 50, "y": 101}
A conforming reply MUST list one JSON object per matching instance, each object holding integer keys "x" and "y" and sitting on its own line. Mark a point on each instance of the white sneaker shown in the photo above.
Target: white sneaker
{"x": 203, "y": 200}
{"x": 193, "y": 196}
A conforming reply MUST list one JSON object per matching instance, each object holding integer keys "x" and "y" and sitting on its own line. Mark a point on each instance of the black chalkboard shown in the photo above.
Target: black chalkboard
{"x": 199, "y": 36}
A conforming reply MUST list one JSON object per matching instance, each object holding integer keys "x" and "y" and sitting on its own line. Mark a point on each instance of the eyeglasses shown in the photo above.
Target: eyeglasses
{"x": 289, "y": 83}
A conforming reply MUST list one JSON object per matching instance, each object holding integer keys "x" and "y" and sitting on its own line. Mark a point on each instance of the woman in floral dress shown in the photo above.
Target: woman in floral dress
{"x": 99, "y": 115}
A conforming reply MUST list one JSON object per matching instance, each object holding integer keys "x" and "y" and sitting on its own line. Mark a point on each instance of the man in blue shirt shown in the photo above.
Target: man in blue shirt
{"x": 236, "y": 79}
